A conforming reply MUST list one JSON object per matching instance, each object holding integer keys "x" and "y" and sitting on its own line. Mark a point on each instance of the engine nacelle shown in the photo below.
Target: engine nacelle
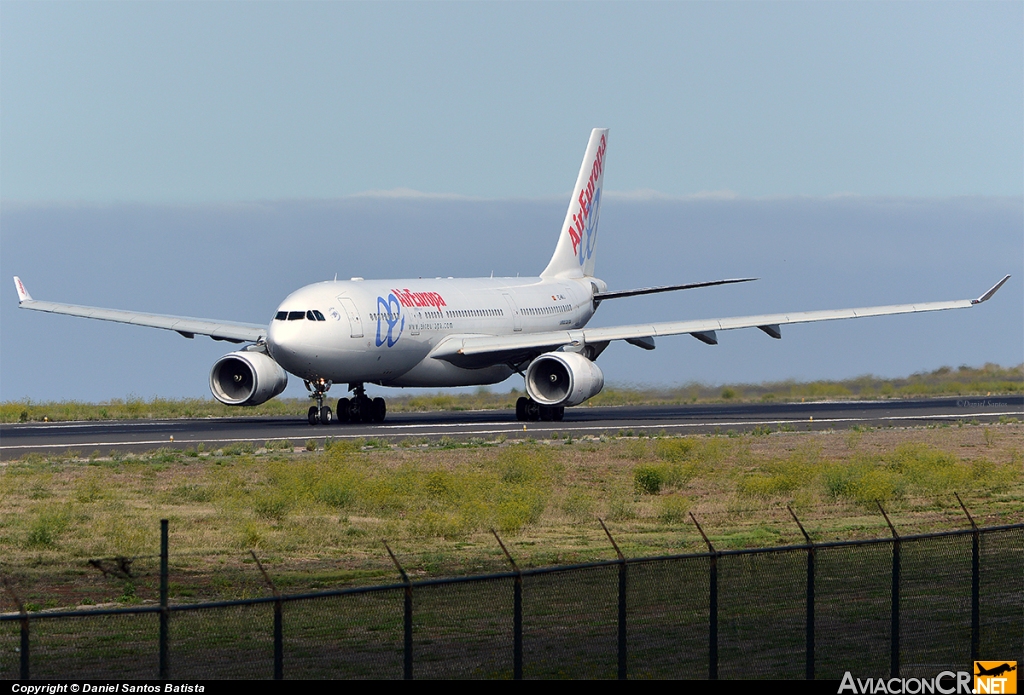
{"x": 246, "y": 378}
{"x": 563, "y": 378}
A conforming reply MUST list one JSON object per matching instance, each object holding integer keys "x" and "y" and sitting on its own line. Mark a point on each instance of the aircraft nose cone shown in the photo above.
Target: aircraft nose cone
{"x": 283, "y": 343}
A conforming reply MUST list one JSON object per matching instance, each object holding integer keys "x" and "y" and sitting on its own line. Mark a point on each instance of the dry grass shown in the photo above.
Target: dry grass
{"x": 317, "y": 518}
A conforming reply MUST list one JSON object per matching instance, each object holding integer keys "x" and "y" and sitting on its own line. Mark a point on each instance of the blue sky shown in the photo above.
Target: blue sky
{"x": 186, "y": 102}
{"x": 208, "y": 158}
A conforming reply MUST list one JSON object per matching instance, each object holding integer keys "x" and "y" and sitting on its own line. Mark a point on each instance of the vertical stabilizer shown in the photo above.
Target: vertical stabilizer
{"x": 574, "y": 254}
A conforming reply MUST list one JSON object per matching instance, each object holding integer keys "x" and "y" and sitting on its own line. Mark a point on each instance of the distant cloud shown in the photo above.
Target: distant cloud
{"x": 643, "y": 194}
{"x": 409, "y": 193}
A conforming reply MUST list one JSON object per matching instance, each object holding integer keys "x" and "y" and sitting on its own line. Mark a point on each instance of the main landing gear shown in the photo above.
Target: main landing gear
{"x": 529, "y": 409}
{"x": 361, "y": 408}
{"x": 358, "y": 408}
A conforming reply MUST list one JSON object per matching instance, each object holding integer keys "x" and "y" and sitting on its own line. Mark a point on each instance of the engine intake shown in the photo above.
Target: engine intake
{"x": 246, "y": 378}
{"x": 563, "y": 378}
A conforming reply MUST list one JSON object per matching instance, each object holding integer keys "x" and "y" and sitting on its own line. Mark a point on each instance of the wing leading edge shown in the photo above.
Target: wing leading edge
{"x": 480, "y": 350}
{"x": 186, "y": 326}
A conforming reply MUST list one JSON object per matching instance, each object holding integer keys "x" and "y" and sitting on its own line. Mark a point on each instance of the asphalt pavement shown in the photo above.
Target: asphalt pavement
{"x": 19, "y": 439}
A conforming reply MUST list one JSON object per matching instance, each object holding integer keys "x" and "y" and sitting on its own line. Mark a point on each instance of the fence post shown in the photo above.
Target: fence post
{"x": 622, "y": 648}
{"x": 164, "y": 612}
{"x": 712, "y": 607}
{"x": 894, "y": 643}
{"x": 23, "y": 672}
{"x": 975, "y": 584}
{"x": 517, "y": 614}
{"x": 809, "y": 630}
{"x": 407, "y": 618}
{"x": 278, "y": 621}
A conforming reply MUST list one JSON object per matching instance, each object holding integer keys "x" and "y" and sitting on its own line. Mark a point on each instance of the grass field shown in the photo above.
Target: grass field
{"x": 317, "y": 518}
{"x": 963, "y": 381}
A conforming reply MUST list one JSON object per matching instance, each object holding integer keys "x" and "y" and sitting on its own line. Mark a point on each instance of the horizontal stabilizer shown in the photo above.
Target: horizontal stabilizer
{"x": 601, "y": 296}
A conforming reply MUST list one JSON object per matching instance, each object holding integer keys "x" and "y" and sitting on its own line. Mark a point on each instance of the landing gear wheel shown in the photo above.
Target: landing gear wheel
{"x": 343, "y": 410}
{"x": 522, "y": 403}
{"x": 366, "y": 409}
{"x": 378, "y": 409}
{"x": 313, "y": 415}
{"x": 546, "y": 413}
{"x": 558, "y": 413}
{"x": 533, "y": 410}
{"x": 326, "y": 415}
{"x": 354, "y": 410}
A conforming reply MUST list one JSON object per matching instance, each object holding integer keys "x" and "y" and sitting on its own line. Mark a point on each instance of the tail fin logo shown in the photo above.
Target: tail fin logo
{"x": 583, "y": 230}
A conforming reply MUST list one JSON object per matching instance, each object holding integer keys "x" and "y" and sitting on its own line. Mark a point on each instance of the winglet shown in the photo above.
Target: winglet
{"x": 24, "y": 296}
{"x": 983, "y": 298}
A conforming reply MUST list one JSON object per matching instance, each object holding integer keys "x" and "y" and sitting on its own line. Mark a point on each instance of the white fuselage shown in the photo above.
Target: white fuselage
{"x": 383, "y": 331}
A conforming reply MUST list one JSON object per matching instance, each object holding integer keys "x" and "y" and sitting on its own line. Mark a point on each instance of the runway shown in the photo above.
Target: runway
{"x": 17, "y": 440}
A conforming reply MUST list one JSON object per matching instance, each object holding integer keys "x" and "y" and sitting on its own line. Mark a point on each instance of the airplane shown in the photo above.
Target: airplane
{"x": 448, "y": 332}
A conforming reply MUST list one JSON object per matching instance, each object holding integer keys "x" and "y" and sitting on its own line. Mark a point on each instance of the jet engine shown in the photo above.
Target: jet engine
{"x": 563, "y": 378}
{"x": 246, "y": 378}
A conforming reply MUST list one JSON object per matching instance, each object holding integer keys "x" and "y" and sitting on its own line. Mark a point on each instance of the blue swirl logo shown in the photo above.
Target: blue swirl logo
{"x": 389, "y": 314}
{"x": 589, "y": 240}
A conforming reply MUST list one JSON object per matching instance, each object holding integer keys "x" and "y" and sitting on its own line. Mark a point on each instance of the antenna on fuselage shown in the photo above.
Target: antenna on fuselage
{"x": 335, "y": 277}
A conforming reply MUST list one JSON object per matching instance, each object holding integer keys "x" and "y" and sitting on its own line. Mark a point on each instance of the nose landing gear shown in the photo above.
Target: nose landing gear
{"x": 319, "y": 414}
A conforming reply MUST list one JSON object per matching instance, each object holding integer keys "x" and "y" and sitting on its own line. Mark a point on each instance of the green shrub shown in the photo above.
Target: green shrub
{"x": 47, "y": 527}
{"x": 673, "y": 508}
{"x": 674, "y": 450}
{"x": 578, "y": 505}
{"x": 648, "y": 480}
{"x": 271, "y": 504}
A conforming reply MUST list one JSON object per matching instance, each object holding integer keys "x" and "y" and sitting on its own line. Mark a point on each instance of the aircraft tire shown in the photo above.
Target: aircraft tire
{"x": 559, "y": 413}
{"x": 522, "y": 403}
{"x": 343, "y": 410}
{"x": 313, "y": 415}
{"x": 546, "y": 413}
{"x": 326, "y": 416}
{"x": 532, "y": 410}
{"x": 366, "y": 410}
{"x": 379, "y": 409}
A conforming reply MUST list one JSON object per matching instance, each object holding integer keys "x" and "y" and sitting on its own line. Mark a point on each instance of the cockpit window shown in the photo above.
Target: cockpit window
{"x": 319, "y": 316}
{"x": 281, "y": 316}
{"x": 310, "y": 316}
{"x": 296, "y": 315}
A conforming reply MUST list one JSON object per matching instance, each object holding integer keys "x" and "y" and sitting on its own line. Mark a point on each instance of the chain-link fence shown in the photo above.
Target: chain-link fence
{"x": 910, "y": 606}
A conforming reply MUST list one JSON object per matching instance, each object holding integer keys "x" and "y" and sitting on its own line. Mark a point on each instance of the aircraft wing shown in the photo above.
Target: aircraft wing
{"x": 476, "y": 351}
{"x": 186, "y": 326}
